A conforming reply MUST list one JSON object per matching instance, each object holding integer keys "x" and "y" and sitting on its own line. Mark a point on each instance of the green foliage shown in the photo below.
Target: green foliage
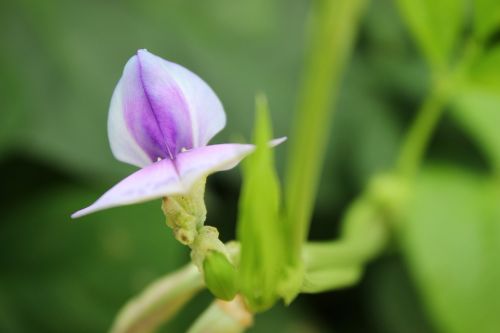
{"x": 486, "y": 17}
{"x": 58, "y": 69}
{"x": 436, "y": 26}
{"x": 477, "y": 104}
{"x": 60, "y": 275}
{"x": 259, "y": 222}
{"x": 452, "y": 241}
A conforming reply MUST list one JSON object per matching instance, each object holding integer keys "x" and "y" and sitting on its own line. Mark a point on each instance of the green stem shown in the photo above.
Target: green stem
{"x": 334, "y": 27}
{"x": 418, "y": 137}
{"x": 445, "y": 85}
{"x": 223, "y": 317}
{"x": 336, "y": 264}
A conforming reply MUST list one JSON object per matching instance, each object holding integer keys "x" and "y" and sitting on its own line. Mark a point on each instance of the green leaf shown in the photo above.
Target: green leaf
{"x": 259, "y": 229}
{"x": 74, "y": 276}
{"x": 435, "y": 25}
{"x": 477, "y": 105}
{"x": 12, "y": 115}
{"x": 451, "y": 240}
{"x": 486, "y": 17}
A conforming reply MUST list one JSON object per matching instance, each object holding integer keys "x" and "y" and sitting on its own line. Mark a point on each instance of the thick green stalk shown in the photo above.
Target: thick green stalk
{"x": 333, "y": 30}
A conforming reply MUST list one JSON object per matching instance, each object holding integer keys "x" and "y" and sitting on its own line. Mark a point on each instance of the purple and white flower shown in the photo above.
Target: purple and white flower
{"x": 161, "y": 118}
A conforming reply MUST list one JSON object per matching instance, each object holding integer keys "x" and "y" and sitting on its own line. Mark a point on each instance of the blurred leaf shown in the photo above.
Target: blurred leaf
{"x": 60, "y": 275}
{"x": 392, "y": 299}
{"x": 477, "y": 105}
{"x": 11, "y": 115}
{"x": 486, "y": 17}
{"x": 435, "y": 25}
{"x": 451, "y": 241}
{"x": 160, "y": 302}
{"x": 296, "y": 318}
{"x": 259, "y": 230}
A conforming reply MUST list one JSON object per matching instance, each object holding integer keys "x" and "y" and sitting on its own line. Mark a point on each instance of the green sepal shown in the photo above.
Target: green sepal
{"x": 186, "y": 213}
{"x": 260, "y": 228}
{"x": 220, "y": 276}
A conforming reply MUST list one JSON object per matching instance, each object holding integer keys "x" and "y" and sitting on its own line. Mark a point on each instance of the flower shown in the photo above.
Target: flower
{"x": 160, "y": 119}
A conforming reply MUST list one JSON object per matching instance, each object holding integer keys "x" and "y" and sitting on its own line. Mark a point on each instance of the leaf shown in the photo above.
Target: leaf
{"x": 486, "y": 17}
{"x": 259, "y": 230}
{"x": 451, "y": 240}
{"x": 12, "y": 114}
{"x": 477, "y": 105}
{"x": 59, "y": 275}
{"x": 436, "y": 26}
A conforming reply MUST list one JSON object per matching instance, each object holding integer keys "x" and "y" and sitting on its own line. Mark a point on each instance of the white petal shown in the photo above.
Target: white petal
{"x": 200, "y": 162}
{"x": 154, "y": 181}
{"x": 207, "y": 113}
{"x": 172, "y": 177}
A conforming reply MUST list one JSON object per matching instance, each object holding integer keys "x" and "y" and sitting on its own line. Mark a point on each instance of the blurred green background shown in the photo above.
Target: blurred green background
{"x": 59, "y": 63}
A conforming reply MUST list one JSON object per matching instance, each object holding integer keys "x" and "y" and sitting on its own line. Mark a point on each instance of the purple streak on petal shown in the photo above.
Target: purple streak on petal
{"x": 138, "y": 115}
{"x": 160, "y": 108}
{"x": 154, "y": 181}
{"x": 124, "y": 146}
{"x": 167, "y": 103}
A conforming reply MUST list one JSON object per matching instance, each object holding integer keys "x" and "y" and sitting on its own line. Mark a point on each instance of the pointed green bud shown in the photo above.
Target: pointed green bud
{"x": 220, "y": 276}
{"x": 260, "y": 229}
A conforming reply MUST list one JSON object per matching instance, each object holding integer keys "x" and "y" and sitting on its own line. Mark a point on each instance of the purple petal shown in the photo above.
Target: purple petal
{"x": 124, "y": 146}
{"x": 160, "y": 108}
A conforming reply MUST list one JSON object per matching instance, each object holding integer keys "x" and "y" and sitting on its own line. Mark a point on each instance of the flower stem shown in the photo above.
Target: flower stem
{"x": 333, "y": 29}
{"x": 419, "y": 135}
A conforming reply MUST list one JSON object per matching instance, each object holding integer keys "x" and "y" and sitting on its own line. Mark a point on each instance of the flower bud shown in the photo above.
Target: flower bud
{"x": 186, "y": 213}
{"x": 220, "y": 275}
{"x": 212, "y": 258}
